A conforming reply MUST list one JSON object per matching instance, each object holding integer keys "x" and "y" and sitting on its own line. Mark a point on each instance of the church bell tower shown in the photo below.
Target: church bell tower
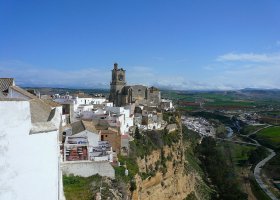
{"x": 117, "y": 83}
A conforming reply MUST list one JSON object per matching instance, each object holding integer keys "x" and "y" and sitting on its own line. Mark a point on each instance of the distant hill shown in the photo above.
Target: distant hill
{"x": 260, "y": 93}
{"x": 246, "y": 93}
{"x": 51, "y": 91}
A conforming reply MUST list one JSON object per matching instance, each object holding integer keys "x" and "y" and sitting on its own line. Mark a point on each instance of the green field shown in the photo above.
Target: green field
{"x": 219, "y": 102}
{"x": 250, "y": 129}
{"x": 188, "y": 108}
{"x": 211, "y": 100}
{"x": 270, "y": 136}
{"x": 237, "y": 153}
{"x": 241, "y": 152}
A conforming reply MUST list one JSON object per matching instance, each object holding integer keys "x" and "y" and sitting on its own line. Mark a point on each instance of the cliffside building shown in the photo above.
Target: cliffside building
{"x": 121, "y": 94}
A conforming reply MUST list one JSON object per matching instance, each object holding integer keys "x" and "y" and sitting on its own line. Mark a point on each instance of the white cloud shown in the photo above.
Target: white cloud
{"x": 250, "y": 57}
{"x": 28, "y": 75}
{"x": 219, "y": 75}
{"x": 250, "y": 70}
{"x": 258, "y": 76}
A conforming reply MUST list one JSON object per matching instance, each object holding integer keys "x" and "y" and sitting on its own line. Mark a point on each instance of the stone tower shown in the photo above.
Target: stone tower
{"x": 117, "y": 83}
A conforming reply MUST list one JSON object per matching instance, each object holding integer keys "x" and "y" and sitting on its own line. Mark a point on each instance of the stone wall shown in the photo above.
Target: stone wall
{"x": 88, "y": 168}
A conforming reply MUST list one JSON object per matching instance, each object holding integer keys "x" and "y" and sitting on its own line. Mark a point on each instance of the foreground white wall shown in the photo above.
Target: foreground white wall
{"x": 29, "y": 164}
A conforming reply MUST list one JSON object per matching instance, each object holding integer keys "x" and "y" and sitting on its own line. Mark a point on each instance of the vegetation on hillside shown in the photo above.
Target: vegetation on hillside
{"x": 220, "y": 172}
{"x": 76, "y": 187}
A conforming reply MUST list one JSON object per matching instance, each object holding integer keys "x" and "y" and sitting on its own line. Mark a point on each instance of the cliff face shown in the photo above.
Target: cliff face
{"x": 166, "y": 174}
{"x": 175, "y": 183}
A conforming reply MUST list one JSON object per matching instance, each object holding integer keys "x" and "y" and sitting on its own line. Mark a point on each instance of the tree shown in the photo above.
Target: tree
{"x": 137, "y": 134}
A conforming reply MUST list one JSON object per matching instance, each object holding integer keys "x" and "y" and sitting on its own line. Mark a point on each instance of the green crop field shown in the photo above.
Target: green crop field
{"x": 188, "y": 108}
{"x": 250, "y": 129}
{"x": 241, "y": 152}
{"x": 270, "y": 136}
{"x": 231, "y": 103}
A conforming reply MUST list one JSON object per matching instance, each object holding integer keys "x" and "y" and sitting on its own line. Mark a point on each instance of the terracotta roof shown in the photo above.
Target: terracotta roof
{"x": 77, "y": 127}
{"x": 23, "y": 92}
{"x": 5, "y": 83}
{"x": 40, "y": 112}
{"x": 80, "y": 126}
{"x": 124, "y": 136}
{"x": 51, "y": 103}
{"x": 83, "y": 95}
{"x": 113, "y": 129}
{"x": 11, "y": 99}
{"x": 108, "y": 132}
{"x": 89, "y": 126}
{"x": 101, "y": 127}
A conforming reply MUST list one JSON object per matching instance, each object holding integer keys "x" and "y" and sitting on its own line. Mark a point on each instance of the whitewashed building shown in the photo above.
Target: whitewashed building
{"x": 127, "y": 122}
{"x": 79, "y": 102}
{"x": 30, "y": 157}
{"x": 166, "y": 104}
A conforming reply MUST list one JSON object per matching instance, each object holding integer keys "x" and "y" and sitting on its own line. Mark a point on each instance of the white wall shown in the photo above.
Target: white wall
{"x": 93, "y": 138}
{"x": 127, "y": 121}
{"x": 83, "y": 108}
{"x": 116, "y": 110}
{"x": 98, "y": 100}
{"x": 14, "y": 94}
{"x": 29, "y": 163}
{"x": 109, "y": 104}
{"x": 83, "y": 100}
{"x": 88, "y": 168}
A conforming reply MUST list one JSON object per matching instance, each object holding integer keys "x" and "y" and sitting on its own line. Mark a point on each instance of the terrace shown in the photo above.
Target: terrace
{"x": 78, "y": 149}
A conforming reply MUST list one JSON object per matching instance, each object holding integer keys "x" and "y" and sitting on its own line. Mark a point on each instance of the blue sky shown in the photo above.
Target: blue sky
{"x": 178, "y": 44}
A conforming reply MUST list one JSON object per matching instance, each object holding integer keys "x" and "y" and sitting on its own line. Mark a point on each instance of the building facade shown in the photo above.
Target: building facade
{"x": 121, "y": 94}
{"x": 30, "y": 159}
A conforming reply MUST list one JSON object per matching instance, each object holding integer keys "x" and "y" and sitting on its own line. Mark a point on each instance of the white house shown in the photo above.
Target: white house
{"x": 83, "y": 108}
{"x": 166, "y": 104}
{"x": 30, "y": 157}
{"x": 86, "y": 129}
{"x": 82, "y": 98}
{"x": 80, "y": 102}
{"x": 127, "y": 122}
{"x": 85, "y": 143}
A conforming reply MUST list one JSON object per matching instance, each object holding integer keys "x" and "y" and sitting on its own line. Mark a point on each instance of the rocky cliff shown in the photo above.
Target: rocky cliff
{"x": 166, "y": 173}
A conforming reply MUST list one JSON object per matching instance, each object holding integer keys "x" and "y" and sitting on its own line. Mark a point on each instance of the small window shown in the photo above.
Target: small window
{"x": 106, "y": 135}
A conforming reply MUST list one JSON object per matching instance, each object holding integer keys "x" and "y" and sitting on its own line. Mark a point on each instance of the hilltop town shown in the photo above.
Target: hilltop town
{"x": 78, "y": 134}
{"x": 134, "y": 144}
